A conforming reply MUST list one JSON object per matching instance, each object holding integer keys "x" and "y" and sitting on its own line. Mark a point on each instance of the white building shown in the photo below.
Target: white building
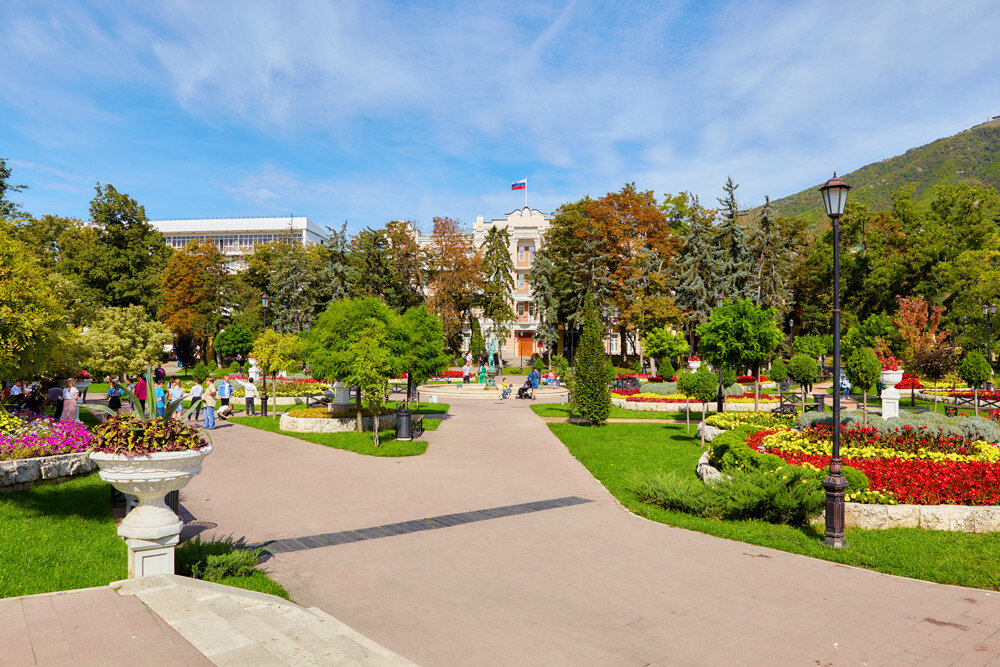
{"x": 237, "y": 237}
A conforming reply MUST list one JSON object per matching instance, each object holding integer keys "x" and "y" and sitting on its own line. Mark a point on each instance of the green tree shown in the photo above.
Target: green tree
{"x": 7, "y": 208}
{"x": 778, "y": 372}
{"x": 124, "y": 341}
{"x": 423, "y": 352}
{"x": 372, "y": 367}
{"x": 545, "y": 293}
{"x": 410, "y": 263}
{"x": 812, "y": 345}
{"x": 863, "y": 370}
{"x": 300, "y": 281}
{"x": 664, "y": 343}
{"x": 32, "y": 320}
{"x": 234, "y": 342}
{"x": 703, "y": 386}
{"x": 372, "y": 271}
{"x": 455, "y": 278}
{"x": 771, "y": 252}
{"x": 731, "y": 237}
{"x": 276, "y": 352}
{"x": 975, "y": 370}
{"x": 498, "y": 285}
{"x": 699, "y": 266}
{"x": 192, "y": 292}
{"x": 129, "y": 255}
{"x": 475, "y": 337}
{"x": 803, "y": 370}
{"x": 592, "y": 372}
{"x": 741, "y": 334}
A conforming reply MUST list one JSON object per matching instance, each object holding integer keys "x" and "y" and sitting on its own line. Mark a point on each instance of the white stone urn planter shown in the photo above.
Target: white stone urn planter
{"x": 694, "y": 363}
{"x": 890, "y": 395}
{"x": 151, "y": 530}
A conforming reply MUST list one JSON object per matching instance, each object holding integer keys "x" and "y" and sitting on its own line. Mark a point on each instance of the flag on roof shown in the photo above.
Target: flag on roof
{"x": 519, "y": 185}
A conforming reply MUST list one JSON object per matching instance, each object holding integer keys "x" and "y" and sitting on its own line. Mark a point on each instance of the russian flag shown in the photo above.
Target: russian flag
{"x": 519, "y": 185}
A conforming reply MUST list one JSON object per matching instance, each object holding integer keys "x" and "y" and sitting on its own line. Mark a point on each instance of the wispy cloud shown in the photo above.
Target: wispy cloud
{"x": 370, "y": 109}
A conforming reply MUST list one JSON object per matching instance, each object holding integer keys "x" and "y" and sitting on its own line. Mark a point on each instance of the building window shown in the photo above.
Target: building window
{"x": 520, "y": 281}
{"x": 520, "y": 253}
{"x": 531, "y": 309}
{"x": 520, "y": 309}
{"x": 613, "y": 345}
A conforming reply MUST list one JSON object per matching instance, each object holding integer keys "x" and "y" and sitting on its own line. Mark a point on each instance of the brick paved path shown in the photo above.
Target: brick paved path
{"x": 92, "y": 626}
{"x": 586, "y": 583}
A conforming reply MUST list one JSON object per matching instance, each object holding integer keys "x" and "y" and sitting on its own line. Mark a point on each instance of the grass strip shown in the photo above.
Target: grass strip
{"x": 620, "y": 454}
{"x": 351, "y": 441}
{"x": 563, "y": 411}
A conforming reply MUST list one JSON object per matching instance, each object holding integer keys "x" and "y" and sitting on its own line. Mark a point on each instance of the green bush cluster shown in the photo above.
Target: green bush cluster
{"x": 666, "y": 369}
{"x": 662, "y": 388}
{"x": 734, "y": 390}
{"x": 778, "y": 372}
{"x": 215, "y": 560}
{"x": 788, "y": 495}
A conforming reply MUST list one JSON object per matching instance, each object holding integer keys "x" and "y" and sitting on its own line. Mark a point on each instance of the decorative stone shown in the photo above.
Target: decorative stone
{"x": 901, "y": 516}
{"x": 709, "y": 431}
{"x": 18, "y": 474}
{"x": 152, "y": 529}
{"x": 341, "y": 394}
{"x": 708, "y": 473}
{"x": 332, "y": 424}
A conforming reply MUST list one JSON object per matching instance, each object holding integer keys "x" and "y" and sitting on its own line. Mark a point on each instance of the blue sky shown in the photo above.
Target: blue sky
{"x": 370, "y": 111}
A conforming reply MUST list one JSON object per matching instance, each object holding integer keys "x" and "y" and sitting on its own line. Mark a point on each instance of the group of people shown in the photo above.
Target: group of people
{"x": 38, "y": 397}
{"x": 527, "y": 390}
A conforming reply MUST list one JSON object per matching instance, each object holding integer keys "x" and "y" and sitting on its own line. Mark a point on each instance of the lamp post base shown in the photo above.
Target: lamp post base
{"x": 835, "y": 485}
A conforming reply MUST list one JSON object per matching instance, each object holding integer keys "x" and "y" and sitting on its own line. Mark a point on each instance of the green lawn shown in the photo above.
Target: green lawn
{"x": 619, "y": 454}
{"x": 557, "y": 410}
{"x": 63, "y": 536}
{"x": 59, "y": 536}
{"x": 352, "y": 441}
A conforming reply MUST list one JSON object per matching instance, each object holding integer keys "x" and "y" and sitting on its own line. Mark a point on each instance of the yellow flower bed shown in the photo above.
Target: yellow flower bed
{"x": 8, "y": 422}
{"x": 793, "y": 441}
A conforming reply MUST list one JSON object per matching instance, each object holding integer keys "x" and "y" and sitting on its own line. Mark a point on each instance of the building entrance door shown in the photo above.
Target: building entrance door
{"x": 525, "y": 346}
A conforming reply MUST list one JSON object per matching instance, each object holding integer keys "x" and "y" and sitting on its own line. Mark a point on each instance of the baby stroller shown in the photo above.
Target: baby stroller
{"x": 524, "y": 391}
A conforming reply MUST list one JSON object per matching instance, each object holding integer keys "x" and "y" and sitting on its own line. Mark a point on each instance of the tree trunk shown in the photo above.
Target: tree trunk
{"x": 913, "y": 393}
{"x": 409, "y": 388}
{"x": 703, "y": 425}
{"x": 375, "y": 425}
{"x": 274, "y": 393}
{"x": 357, "y": 406}
{"x": 803, "y": 387}
{"x": 688, "y": 405}
{"x": 756, "y": 389}
{"x": 864, "y": 410}
{"x": 975, "y": 399}
{"x": 936, "y": 397}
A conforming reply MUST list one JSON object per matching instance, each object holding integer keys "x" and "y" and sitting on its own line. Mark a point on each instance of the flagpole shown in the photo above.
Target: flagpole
{"x": 526, "y": 194}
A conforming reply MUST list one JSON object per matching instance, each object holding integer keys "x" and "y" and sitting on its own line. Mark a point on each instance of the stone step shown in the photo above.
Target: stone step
{"x": 232, "y": 626}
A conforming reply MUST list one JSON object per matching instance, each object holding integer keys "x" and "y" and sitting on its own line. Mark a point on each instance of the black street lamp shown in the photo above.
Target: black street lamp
{"x": 719, "y": 397}
{"x": 835, "y": 198}
{"x": 791, "y": 330}
{"x": 989, "y": 309}
{"x": 263, "y": 395}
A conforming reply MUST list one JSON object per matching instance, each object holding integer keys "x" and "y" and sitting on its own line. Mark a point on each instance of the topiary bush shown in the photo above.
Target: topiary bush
{"x": 200, "y": 371}
{"x": 734, "y": 390}
{"x": 778, "y": 372}
{"x": 728, "y": 377}
{"x": 666, "y": 369}
{"x": 540, "y": 365}
{"x": 592, "y": 372}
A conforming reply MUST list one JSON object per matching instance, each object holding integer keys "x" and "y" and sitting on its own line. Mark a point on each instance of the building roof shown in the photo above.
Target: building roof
{"x": 228, "y": 225}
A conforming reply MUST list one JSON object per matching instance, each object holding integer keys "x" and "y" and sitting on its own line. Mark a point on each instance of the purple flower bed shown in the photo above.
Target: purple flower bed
{"x": 44, "y": 437}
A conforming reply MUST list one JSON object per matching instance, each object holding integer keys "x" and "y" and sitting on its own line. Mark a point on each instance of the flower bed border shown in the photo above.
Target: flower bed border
{"x": 22, "y": 474}
{"x": 873, "y": 516}
{"x": 695, "y": 407}
{"x": 332, "y": 424}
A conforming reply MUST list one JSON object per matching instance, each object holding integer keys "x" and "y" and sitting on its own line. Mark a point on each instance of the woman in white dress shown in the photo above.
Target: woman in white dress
{"x": 70, "y": 395}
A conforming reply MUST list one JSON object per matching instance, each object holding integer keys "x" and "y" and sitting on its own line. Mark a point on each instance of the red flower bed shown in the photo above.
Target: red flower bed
{"x": 634, "y": 376}
{"x": 916, "y": 481}
{"x": 451, "y": 374}
{"x": 910, "y": 381}
{"x": 626, "y": 393}
{"x": 968, "y": 393}
{"x": 749, "y": 379}
{"x": 280, "y": 380}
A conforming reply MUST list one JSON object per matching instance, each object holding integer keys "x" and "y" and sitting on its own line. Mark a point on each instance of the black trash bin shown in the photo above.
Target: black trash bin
{"x": 404, "y": 423}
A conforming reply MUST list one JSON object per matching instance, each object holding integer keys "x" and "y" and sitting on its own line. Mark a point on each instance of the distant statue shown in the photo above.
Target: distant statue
{"x": 491, "y": 352}
{"x": 254, "y": 372}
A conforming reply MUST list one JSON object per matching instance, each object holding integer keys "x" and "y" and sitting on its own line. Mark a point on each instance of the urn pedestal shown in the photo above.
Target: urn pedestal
{"x": 151, "y": 530}
{"x": 890, "y": 395}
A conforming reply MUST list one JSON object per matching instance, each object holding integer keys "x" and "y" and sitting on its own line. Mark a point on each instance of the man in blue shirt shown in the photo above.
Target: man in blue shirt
{"x": 161, "y": 406}
{"x": 225, "y": 391}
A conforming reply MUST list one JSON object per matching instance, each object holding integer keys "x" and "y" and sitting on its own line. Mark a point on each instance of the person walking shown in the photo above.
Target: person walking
{"x": 54, "y": 396}
{"x": 196, "y": 392}
{"x": 176, "y": 394}
{"x": 70, "y": 396}
{"x": 466, "y": 372}
{"x": 211, "y": 397}
{"x": 115, "y": 397}
{"x": 161, "y": 398}
{"x": 140, "y": 393}
{"x": 250, "y": 391}
{"x": 482, "y": 373}
{"x": 534, "y": 377}
{"x": 225, "y": 391}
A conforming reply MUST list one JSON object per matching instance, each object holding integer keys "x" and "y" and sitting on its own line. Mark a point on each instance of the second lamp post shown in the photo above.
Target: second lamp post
{"x": 835, "y": 484}
{"x": 263, "y": 394}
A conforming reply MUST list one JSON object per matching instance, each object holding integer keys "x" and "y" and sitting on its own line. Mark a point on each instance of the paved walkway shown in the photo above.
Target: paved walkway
{"x": 499, "y": 577}
{"x": 92, "y": 626}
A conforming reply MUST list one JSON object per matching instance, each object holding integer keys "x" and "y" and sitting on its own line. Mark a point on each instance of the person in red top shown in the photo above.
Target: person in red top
{"x": 140, "y": 392}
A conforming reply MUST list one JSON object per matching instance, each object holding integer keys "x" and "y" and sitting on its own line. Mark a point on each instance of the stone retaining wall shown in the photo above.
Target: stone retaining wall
{"x": 21, "y": 474}
{"x": 332, "y": 424}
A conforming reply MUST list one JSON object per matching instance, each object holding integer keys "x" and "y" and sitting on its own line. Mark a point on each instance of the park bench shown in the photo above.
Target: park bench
{"x": 787, "y": 403}
{"x": 317, "y": 400}
{"x": 619, "y": 384}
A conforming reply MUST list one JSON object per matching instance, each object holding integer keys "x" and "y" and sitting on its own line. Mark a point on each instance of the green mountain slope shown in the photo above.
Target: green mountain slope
{"x": 971, "y": 156}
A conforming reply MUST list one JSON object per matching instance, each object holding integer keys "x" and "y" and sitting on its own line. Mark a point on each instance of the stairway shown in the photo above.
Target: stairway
{"x": 232, "y": 626}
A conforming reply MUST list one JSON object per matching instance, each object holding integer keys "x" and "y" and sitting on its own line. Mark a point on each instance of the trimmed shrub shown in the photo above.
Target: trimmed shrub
{"x": 540, "y": 365}
{"x": 734, "y": 390}
{"x": 778, "y": 372}
{"x": 666, "y": 369}
{"x": 728, "y": 377}
{"x": 200, "y": 371}
{"x": 590, "y": 392}
{"x": 662, "y": 388}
